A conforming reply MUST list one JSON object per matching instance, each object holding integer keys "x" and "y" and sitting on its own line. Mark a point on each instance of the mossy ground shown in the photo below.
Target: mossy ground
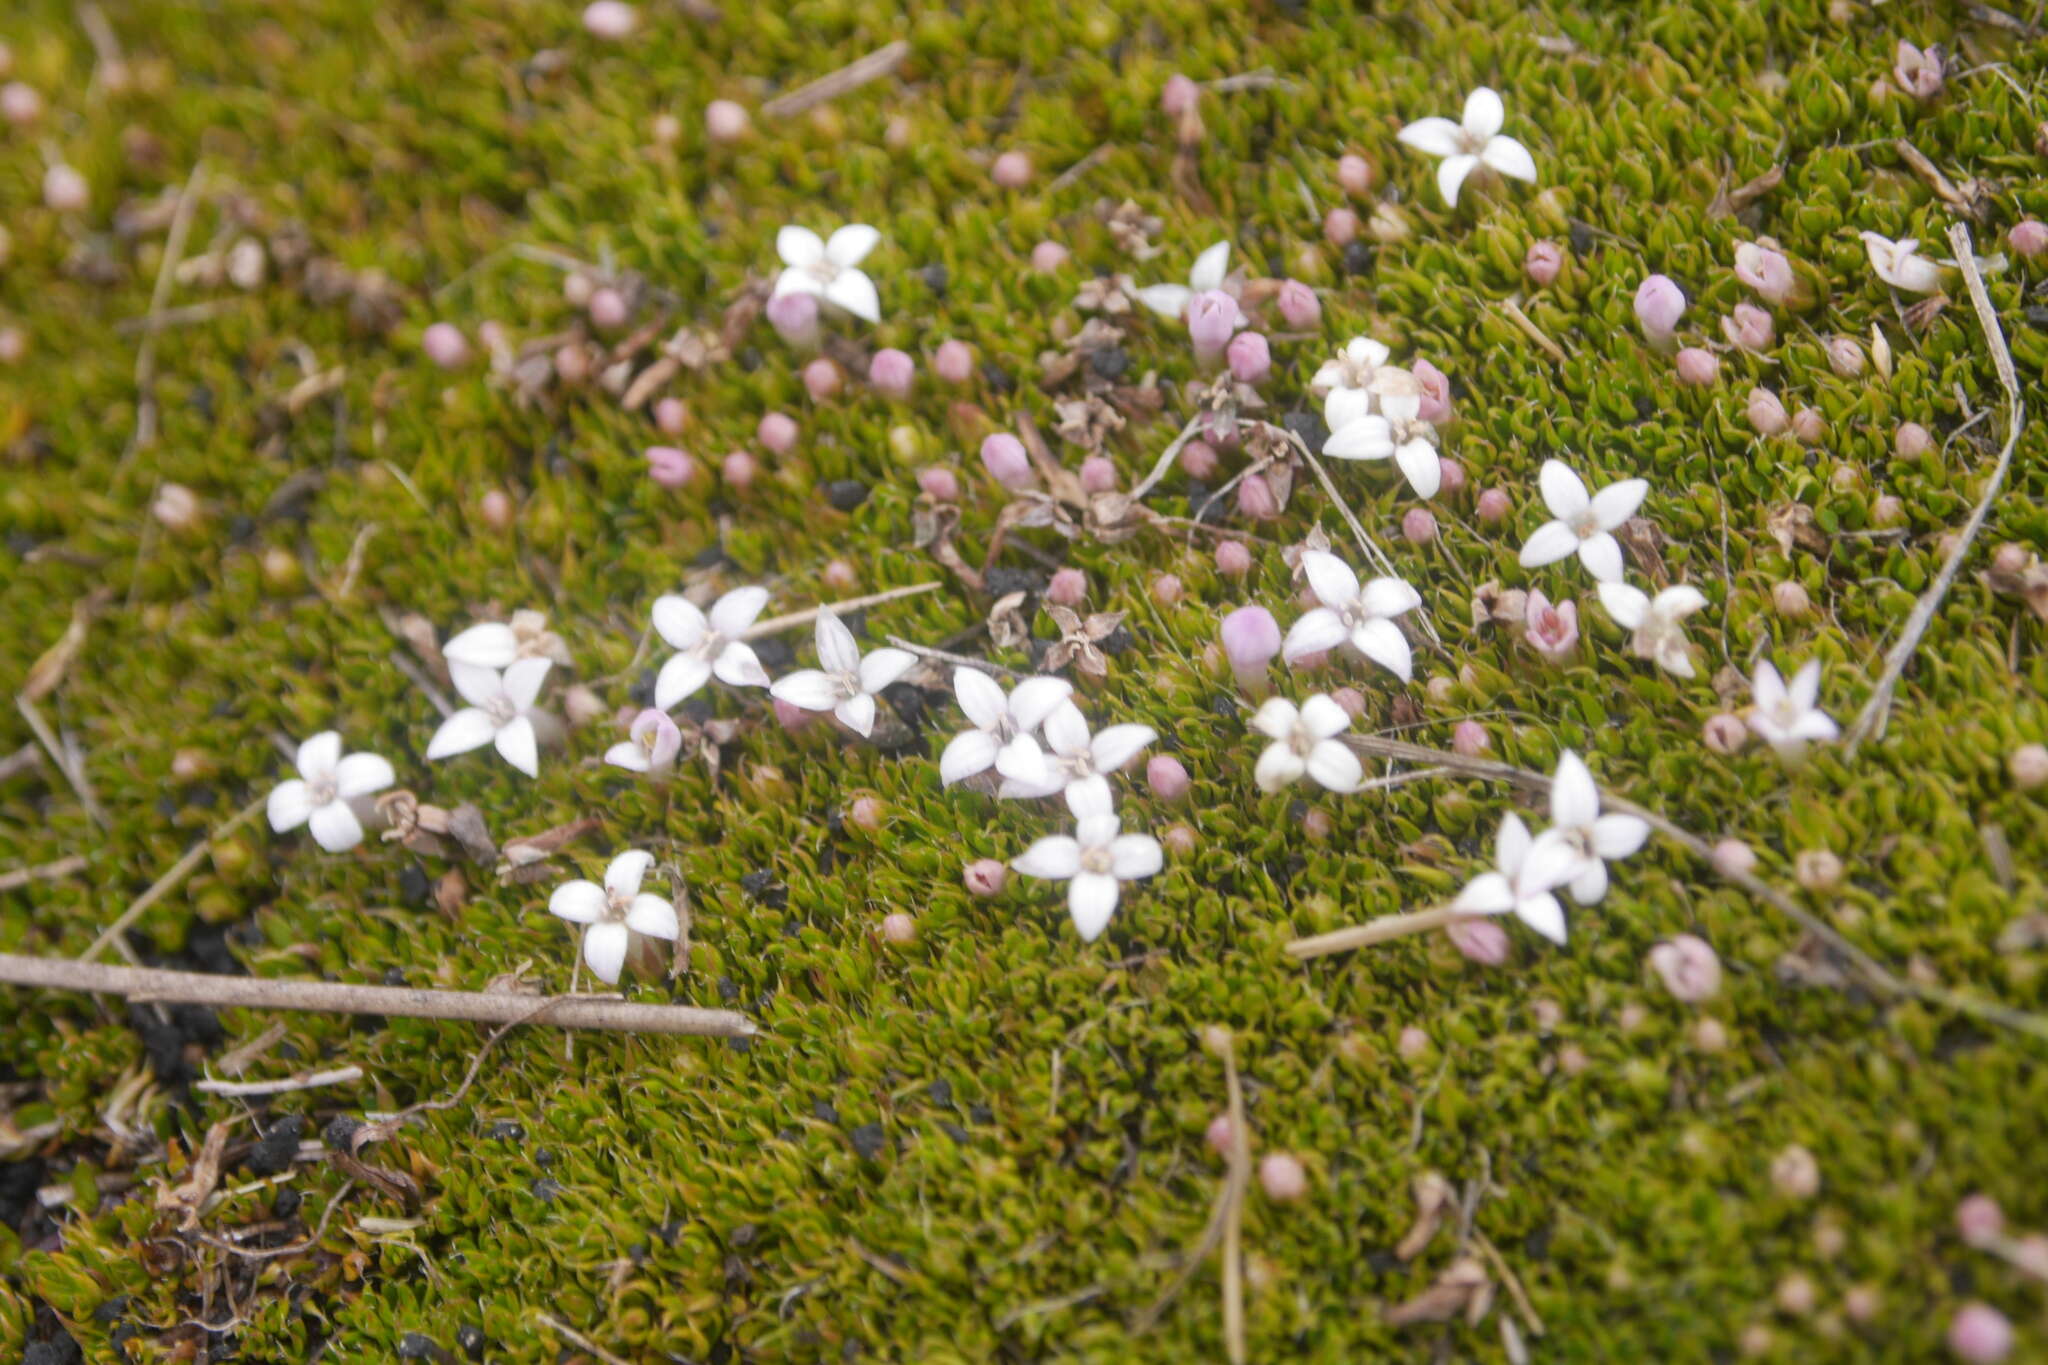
{"x": 990, "y": 1144}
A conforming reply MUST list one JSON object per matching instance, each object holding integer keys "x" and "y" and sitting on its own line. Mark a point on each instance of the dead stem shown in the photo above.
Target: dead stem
{"x": 1233, "y": 1214}
{"x": 60, "y": 754}
{"x": 832, "y": 85}
{"x": 145, "y": 354}
{"x": 1366, "y": 544}
{"x": 41, "y": 872}
{"x": 775, "y": 625}
{"x": 944, "y": 656}
{"x": 283, "y": 1085}
{"x": 168, "y": 882}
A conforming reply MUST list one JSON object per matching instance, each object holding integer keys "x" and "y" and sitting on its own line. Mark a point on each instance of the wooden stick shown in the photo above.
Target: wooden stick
{"x": 1871, "y": 719}
{"x": 775, "y": 625}
{"x": 832, "y": 85}
{"x": 1374, "y": 931}
{"x": 42, "y": 872}
{"x": 164, "y": 885}
{"x": 283, "y": 1085}
{"x": 330, "y": 997}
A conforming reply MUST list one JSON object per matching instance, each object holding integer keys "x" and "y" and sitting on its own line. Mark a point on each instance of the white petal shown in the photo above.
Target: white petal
{"x": 1815, "y": 725}
{"x": 1574, "y": 800}
{"x": 579, "y": 902}
{"x": 361, "y": 774}
{"x": 1385, "y": 645}
{"x": 523, "y": 680}
{"x": 883, "y": 668}
{"x": 1618, "y": 836}
{"x": 1542, "y": 913}
{"x": 335, "y": 827}
{"x": 968, "y": 753}
{"x": 1550, "y": 542}
{"x": 737, "y": 610}
{"x": 1552, "y": 861}
{"x": 1329, "y": 578}
{"x": 1675, "y": 604}
{"x": 808, "y": 689}
{"x": 1344, "y": 406}
{"x": 1118, "y": 745}
{"x": 678, "y": 621}
{"x": 1510, "y": 158}
{"x": 1389, "y": 597}
{"x": 851, "y": 244}
{"x": 838, "y": 652}
{"x": 1590, "y": 886}
{"x": 1511, "y": 844}
{"x": 1275, "y": 718}
{"x": 1484, "y": 113}
{"x": 467, "y": 729}
{"x": 1034, "y": 699}
{"x": 1132, "y": 856}
{"x": 1318, "y": 630}
{"x": 857, "y": 713}
{"x": 1089, "y": 800}
{"x": 1167, "y": 300}
{"x": 519, "y": 746}
{"x": 799, "y": 246}
{"x": 1368, "y": 438}
{"x": 1334, "y": 766}
{"x": 1054, "y": 858}
{"x": 1066, "y": 731}
{"x": 476, "y": 685}
{"x": 1451, "y": 173}
{"x": 1805, "y": 686}
{"x": 1618, "y": 501}
{"x": 490, "y": 645}
{"x": 1601, "y": 554}
{"x": 622, "y": 878}
{"x": 1486, "y": 894}
{"x": 317, "y": 756}
{"x": 1328, "y": 379}
{"x": 679, "y": 680}
{"x": 1564, "y": 493}
{"x": 1436, "y": 136}
{"x": 1277, "y": 767}
{"x": 628, "y": 755}
{"x": 604, "y": 950}
{"x": 290, "y": 803}
{"x": 1767, "y": 689}
{"x": 981, "y": 698}
{"x": 1091, "y": 900}
{"x": 1209, "y": 268}
{"x": 1022, "y": 761}
{"x": 1629, "y": 606}
{"x": 796, "y": 281}
{"x": 855, "y": 292}
{"x": 738, "y": 666}
{"x": 1323, "y": 718}
{"x": 1396, "y": 405}
{"x": 1420, "y": 465}
{"x": 654, "y": 916}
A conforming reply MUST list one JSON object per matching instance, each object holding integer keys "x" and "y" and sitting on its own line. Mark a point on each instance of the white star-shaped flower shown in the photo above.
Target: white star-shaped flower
{"x": 1589, "y": 838}
{"x": 320, "y": 794}
{"x": 1395, "y": 432}
{"x": 497, "y": 644}
{"x": 1788, "y": 718}
{"x": 997, "y": 719}
{"x": 496, "y": 714}
{"x": 1077, "y": 763}
{"x": 830, "y": 269}
{"x": 1345, "y": 381}
{"x": 707, "y": 645}
{"x": 1526, "y": 872}
{"x": 1658, "y": 622}
{"x": 1207, "y": 273}
{"x": 612, "y": 910}
{"x": 1305, "y": 744}
{"x": 1361, "y": 617}
{"x": 1092, "y": 862}
{"x": 1467, "y": 145}
{"x": 1900, "y": 264}
{"x": 846, "y": 681}
{"x": 1584, "y": 523}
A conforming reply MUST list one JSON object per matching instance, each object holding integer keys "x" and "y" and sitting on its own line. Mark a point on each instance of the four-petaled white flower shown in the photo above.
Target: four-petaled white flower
{"x": 845, "y": 681}
{"x": 1658, "y": 622}
{"x": 650, "y": 746}
{"x": 1171, "y": 300}
{"x": 1474, "y": 141}
{"x": 1305, "y": 743}
{"x": 497, "y": 644}
{"x": 1900, "y": 264}
{"x": 1345, "y": 381}
{"x": 1526, "y": 872}
{"x": 611, "y": 910}
{"x": 1589, "y": 838}
{"x": 1584, "y": 523}
{"x": 320, "y": 794}
{"x": 1361, "y": 617}
{"x": 1396, "y": 431}
{"x": 1078, "y": 764}
{"x": 830, "y": 269}
{"x": 1788, "y": 718}
{"x": 496, "y": 714}
{"x": 707, "y": 645}
{"x": 1092, "y": 861}
{"x": 997, "y": 719}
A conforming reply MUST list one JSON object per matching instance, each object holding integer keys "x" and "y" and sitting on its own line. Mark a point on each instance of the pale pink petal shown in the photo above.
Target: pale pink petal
{"x": 981, "y": 698}
{"x": 1334, "y": 766}
{"x": 1318, "y": 630}
{"x": 1385, "y": 645}
{"x": 1323, "y": 718}
{"x": 1550, "y": 542}
{"x": 623, "y": 876}
{"x": 679, "y": 680}
{"x": 629, "y": 755}
{"x": 1389, "y": 597}
{"x": 855, "y": 292}
{"x": 798, "y": 281}
{"x": 1574, "y": 799}
{"x": 738, "y": 666}
{"x": 1090, "y": 802}
{"x": 523, "y": 680}
{"x": 1066, "y": 731}
{"x": 1618, "y": 836}
{"x": 838, "y": 651}
{"x": 1277, "y": 767}
{"x": 733, "y": 613}
{"x": 851, "y": 244}
{"x": 1511, "y": 844}
{"x": 1451, "y": 173}
{"x": 1209, "y": 268}
{"x": 490, "y": 645}
{"x": 1486, "y": 894}
{"x": 318, "y": 756}
{"x": 1118, "y": 745}
{"x": 1367, "y": 438}
{"x": 1629, "y": 606}
{"x": 1589, "y": 887}
{"x": 1564, "y": 493}
{"x": 1132, "y": 856}
{"x": 1032, "y": 700}
{"x": 1544, "y": 914}
{"x": 1435, "y": 136}
{"x": 678, "y": 621}
{"x": 1510, "y": 158}
{"x": 882, "y": 668}
{"x": 1421, "y": 467}
{"x": 857, "y": 713}
{"x": 1767, "y": 689}
{"x": 1618, "y": 502}
{"x": 968, "y": 753}
{"x": 1814, "y": 725}
{"x": 1344, "y": 406}
{"x": 1484, "y": 114}
{"x": 1805, "y": 686}
{"x": 1275, "y": 718}
{"x": 799, "y": 246}
{"x": 1167, "y": 300}
{"x": 1329, "y": 578}
{"x": 1601, "y": 554}
{"x": 808, "y": 689}
{"x": 1023, "y": 762}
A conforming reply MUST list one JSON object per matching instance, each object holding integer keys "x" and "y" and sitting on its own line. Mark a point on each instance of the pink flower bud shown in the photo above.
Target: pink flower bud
{"x": 794, "y": 718}
{"x": 1809, "y": 426}
{"x": 1660, "y": 303}
{"x": 1795, "y": 1295}
{"x": 445, "y": 345}
{"x": 1436, "y": 391}
{"x": 1708, "y": 1035}
{"x": 1212, "y": 316}
{"x": 1179, "y": 96}
{"x": 1766, "y": 270}
{"x": 176, "y": 507}
{"x": 666, "y": 130}
{"x": 1233, "y": 560}
{"x": 1005, "y": 458}
{"x": 1912, "y": 440}
{"x": 497, "y": 509}
{"x": 1166, "y": 777}
{"x": 1979, "y": 1219}
{"x": 1862, "y": 1303}
{"x": 1724, "y": 732}
{"x": 1198, "y": 458}
{"x": 891, "y": 372}
{"x": 1180, "y": 840}
{"x": 1282, "y": 1177}
{"x": 1543, "y": 262}
{"x": 725, "y": 121}
{"x": 1048, "y": 257}
{"x": 1493, "y": 506}
{"x": 608, "y": 309}
{"x": 1068, "y": 588}
{"x": 1299, "y": 307}
{"x": 1340, "y": 227}
{"x": 1845, "y": 356}
{"x": 1979, "y": 1334}
{"x": 1766, "y": 413}
{"x": 953, "y": 362}
{"x": 899, "y": 929}
{"x": 13, "y": 345}
{"x": 20, "y": 104}
{"x": 612, "y": 19}
{"x": 65, "y": 190}
{"x": 1418, "y": 526}
{"x": 1551, "y": 629}
{"x": 985, "y": 877}
{"x": 1697, "y": 367}
{"x": 1351, "y": 700}
{"x": 1469, "y": 738}
{"x": 1251, "y": 359}
{"x": 669, "y": 416}
{"x": 1012, "y": 170}
{"x": 657, "y": 736}
{"x": 795, "y": 319}
{"x": 572, "y": 364}
{"x": 821, "y": 379}
{"x": 1412, "y": 1043}
{"x": 1098, "y": 474}
{"x": 1256, "y": 499}
{"x": 1689, "y": 968}
{"x": 1219, "y": 1134}
{"x": 1251, "y": 637}
{"x": 1167, "y": 590}
{"x": 1482, "y": 941}
{"x": 738, "y": 469}
{"x": 1795, "y": 1174}
{"x": 669, "y": 467}
{"x": 864, "y": 813}
{"x": 2027, "y": 766}
{"x": 939, "y": 483}
{"x": 2029, "y": 237}
{"x": 1749, "y": 327}
{"x": 1450, "y": 476}
{"x": 1354, "y": 175}
{"x": 1789, "y": 599}
{"x": 777, "y": 432}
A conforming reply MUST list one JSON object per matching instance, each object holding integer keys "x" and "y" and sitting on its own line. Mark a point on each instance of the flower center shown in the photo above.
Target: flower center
{"x": 1096, "y": 860}
{"x": 711, "y": 646}
{"x": 615, "y": 906}
{"x": 823, "y": 270}
{"x": 321, "y": 790}
{"x": 1585, "y": 525}
{"x": 501, "y": 710}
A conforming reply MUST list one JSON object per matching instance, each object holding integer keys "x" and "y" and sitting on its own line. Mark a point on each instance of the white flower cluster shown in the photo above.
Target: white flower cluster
{"x": 1374, "y": 411}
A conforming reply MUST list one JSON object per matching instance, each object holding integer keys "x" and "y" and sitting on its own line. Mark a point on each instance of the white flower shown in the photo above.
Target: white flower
{"x": 707, "y": 645}
{"x": 1658, "y": 622}
{"x": 1345, "y": 381}
{"x": 1527, "y": 872}
{"x": 1305, "y": 743}
{"x": 1396, "y": 430}
{"x": 320, "y": 794}
{"x": 846, "y": 681}
{"x": 613, "y": 909}
{"x": 1093, "y": 862}
{"x": 1589, "y": 838}
{"x": 1351, "y": 615}
{"x": 1583, "y": 523}
{"x": 497, "y": 644}
{"x": 1474, "y": 141}
{"x": 1078, "y": 764}
{"x": 650, "y": 746}
{"x": 997, "y": 719}
{"x": 830, "y": 270}
{"x": 1171, "y": 300}
{"x": 1788, "y": 718}
{"x": 1900, "y": 264}
{"x": 496, "y": 714}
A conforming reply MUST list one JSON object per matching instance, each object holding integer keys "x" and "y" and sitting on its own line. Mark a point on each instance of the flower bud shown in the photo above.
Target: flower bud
{"x": 608, "y": 309}
{"x": 610, "y": 19}
{"x": 1167, "y": 778}
{"x": 899, "y": 929}
{"x": 738, "y": 469}
{"x": 1811, "y": 429}
{"x": 725, "y": 121}
{"x": 1912, "y": 440}
{"x": 176, "y": 507}
{"x": 1435, "y": 391}
{"x": 1795, "y": 1295}
{"x": 1180, "y": 96}
{"x": 666, "y": 130}
{"x": 1795, "y": 1174}
{"x": 13, "y": 345}
{"x": 1724, "y": 732}
{"x": 1979, "y": 1334}
{"x": 1299, "y": 307}
{"x": 1098, "y": 474}
{"x": 20, "y": 104}
{"x": 795, "y": 319}
{"x": 1543, "y": 263}
{"x": 1011, "y": 171}
{"x": 1350, "y": 700}
{"x": 1696, "y": 367}
{"x": 891, "y": 372}
{"x": 1748, "y": 327}
{"x": 1212, "y": 317}
{"x": 1282, "y": 1177}
{"x": 953, "y": 362}
{"x": 2028, "y": 766}
{"x": 1251, "y": 637}
{"x": 1766, "y": 414}
{"x": 1689, "y": 968}
{"x": 670, "y": 467}
{"x": 1790, "y": 600}
{"x": 65, "y": 190}
{"x": 1250, "y": 358}
{"x": 445, "y": 345}
{"x": 1817, "y": 869}
{"x": 939, "y": 483}
{"x": 794, "y": 719}
{"x": 2029, "y": 237}
{"x": 1845, "y": 356}
{"x": 1167, "y": 590}
{"x": 777, "y": 432}
{"x": 1660, "y": 303}
{"x": 1180, "y": 840}
{"x": 1980, "y": 1221}
{"x": 1766, "y": 270}
{"x": 496, "y": 508}
{"x": 1340, "y": 227}
{"x": 821, "y": 379}
{"x": 1232, "y": 559}
{"x": 1047, "y": 257}
{"x": 670, "y": 414}
{"x": 1005, "y": 458}
{"x": 1418, "y": 526}
{"x": 985, "y": 877}
{"x": 1199, "y": 459}
{"x": 1493, "y": 506}
{"x": 1483, "y": 941}
{"x": 1469, "y": 737}
{"x": 1068, "y": 588}
{"x": 1219, "y": 1134}
{"x": 1354, "y": 175}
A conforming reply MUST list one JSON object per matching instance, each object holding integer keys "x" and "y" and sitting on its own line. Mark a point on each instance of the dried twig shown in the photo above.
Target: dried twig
{"x": 944, "y": 656}
{"x": 41, "y": 872}
{"x": 775, "y": 625}
{"x": 145, "y": 355}
{"x": 1233, "y": 1214}
{"x": 168, "y": 882}
{"x": 1366, "y": 544}
{"x": 60, "y": 754}
{"x": 1512, "y": 310}
{"x": 831, "y": 86}
{"x": 577, "y": 1339}
{"x": 283, "y": 1085}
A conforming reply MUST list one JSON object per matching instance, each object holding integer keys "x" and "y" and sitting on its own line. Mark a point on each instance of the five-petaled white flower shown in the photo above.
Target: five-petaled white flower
{"x": 1526, "y": 872}
{"x": 1900, "y": 264}
{"x": 1788, "y": 717}
{"x": 1396, "y": 431}
{"x": 1589, "y": 838}
{"x": 609, "y": 911}
{"x": 1474, "y": 141}
{"x": 320, "y": 794}
{"x": 1345, "y": 381}
{"x": 496, "y": 714}
{"x": 1078, "y": 764}
{"x": 845, "y": 681}
{"x": 1361, "y": 617}
{"x": 707, "y": 645}
{"x": 997, "y": 719}
{"x": 1171, "y": 300}
{"x": 1305, "y": 743}
{"x": 830, "y": 269}
{"x": 1584, "y": 522}
{"x": 1092, "y": 861}
{"x": 1658, "y": 622}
